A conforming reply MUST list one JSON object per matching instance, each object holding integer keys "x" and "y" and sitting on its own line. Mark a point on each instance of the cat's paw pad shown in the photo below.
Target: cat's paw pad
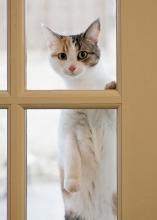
{"x": 72, "y": 185}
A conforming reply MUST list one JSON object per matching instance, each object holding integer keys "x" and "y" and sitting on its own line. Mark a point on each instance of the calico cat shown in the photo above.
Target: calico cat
{"x": 87, "y": 137}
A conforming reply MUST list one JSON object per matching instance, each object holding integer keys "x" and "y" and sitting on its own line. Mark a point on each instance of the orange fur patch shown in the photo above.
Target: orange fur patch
{"x": 65, "y": 43}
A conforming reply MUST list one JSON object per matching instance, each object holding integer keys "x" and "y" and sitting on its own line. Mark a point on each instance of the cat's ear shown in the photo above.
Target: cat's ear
{"x": 92, "y": 32}
{"x": 51, "y": 37}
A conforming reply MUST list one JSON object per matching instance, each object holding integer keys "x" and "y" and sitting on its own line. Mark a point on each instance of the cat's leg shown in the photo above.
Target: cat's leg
{"x": 72, "y": 165}
{"x": 69, "y": 215}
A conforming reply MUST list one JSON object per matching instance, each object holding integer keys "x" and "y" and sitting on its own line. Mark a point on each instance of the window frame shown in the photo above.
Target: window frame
{"x": 136, "y": 58}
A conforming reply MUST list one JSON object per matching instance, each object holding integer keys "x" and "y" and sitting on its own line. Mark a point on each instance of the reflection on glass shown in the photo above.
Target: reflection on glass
{"x": 67, "y": 17}
{"x": 92, "y": 142}
{"x": 3, "y": 45}
{"x": 3, "y": 164}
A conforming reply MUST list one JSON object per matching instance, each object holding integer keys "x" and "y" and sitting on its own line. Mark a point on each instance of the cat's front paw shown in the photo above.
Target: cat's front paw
{"x": 111, "y": 85}
{"x": 72, "y": 185}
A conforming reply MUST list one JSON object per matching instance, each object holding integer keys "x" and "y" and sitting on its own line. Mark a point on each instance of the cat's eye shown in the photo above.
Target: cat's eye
{"x": 62, "y": 56}
{"x": 82, "y": 55}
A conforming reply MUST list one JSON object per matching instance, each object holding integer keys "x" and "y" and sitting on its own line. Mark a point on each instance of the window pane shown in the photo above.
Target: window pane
{"x": 3, "y": 164}
{"x": 44, "y": 195}
{"x": 47, "y": 151}
{"x": 3, "y": 45}
{"x": 70, "y": 17}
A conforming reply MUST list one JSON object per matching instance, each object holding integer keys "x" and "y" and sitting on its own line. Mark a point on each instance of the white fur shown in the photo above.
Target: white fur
{"x": 93, "y": 78}
{"x": 84, "y": 161}
{"x": 84, "y": 77}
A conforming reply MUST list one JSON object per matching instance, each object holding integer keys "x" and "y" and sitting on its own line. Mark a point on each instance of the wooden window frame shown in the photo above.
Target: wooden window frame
{"x": 134, "y": 99}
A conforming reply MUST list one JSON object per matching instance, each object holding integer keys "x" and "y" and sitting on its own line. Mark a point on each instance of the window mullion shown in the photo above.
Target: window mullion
{"x": 16, "y": 47}
{"x": 16, "y": 164}
{"x": 16, "y": 121}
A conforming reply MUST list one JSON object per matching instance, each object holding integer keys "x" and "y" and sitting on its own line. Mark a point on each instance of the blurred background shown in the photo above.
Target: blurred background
{"x": 44, "y": 199}
{"x": 3, "y": 164}
{"x": 67, "y": 17}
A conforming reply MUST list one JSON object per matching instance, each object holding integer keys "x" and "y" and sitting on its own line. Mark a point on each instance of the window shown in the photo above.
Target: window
{"x": 135, "y": 101}
{"x": 43, "y": 180}
{"x": 43, "y": 176}
{"x": 39, "y": 74}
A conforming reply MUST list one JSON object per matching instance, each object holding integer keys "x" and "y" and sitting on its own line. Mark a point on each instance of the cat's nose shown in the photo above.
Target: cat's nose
{"x": 72, "y": 68}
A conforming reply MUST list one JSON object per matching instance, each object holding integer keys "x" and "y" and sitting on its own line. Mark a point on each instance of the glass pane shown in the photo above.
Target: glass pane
{"x": 44, "y": 195}
{"x": 3, "y": 45}
{"x": 71, "y": 164}
{"x": 3, "y": 164}
{"x": 75, "y": 70}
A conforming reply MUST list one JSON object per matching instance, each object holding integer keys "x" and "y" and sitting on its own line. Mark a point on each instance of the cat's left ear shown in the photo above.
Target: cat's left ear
{"x": 51, "y": 37}
{"x": 92, "y": 32}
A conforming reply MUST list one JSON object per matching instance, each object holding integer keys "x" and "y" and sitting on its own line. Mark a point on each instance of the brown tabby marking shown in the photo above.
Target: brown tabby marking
{"x": 72, "y": 216}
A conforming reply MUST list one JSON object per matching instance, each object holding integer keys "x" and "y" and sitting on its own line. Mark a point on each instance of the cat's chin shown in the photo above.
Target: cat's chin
{"x": 72, "y": 76}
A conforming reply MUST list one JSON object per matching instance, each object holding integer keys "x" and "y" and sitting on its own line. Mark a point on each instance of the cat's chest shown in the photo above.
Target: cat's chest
{"x": 90, "y": 128}
{"x": 95, "y": 120}
{"x": 88, "y": 124}
{"x": 95, "y": 124}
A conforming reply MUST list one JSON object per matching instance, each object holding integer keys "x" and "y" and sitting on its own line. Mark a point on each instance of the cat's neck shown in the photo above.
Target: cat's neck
{"x": 94, "y": 79}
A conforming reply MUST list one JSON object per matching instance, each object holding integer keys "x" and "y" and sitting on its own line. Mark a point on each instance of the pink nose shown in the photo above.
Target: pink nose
{"x": 72, "y": 68}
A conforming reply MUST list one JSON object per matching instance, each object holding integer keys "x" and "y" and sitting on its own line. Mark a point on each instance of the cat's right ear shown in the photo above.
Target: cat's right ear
{"x": 92, "y": 32}
{"x": 51, "y": 37}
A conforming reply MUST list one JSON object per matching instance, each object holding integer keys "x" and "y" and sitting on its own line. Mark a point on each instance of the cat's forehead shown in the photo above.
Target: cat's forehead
{"x": 77, "y": 42}
{"x": 71, "y": 41}
{"x": 66, "y": 43}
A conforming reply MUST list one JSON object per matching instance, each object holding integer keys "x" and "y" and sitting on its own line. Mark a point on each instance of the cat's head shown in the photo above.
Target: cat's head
{"x": 71, "y": 56}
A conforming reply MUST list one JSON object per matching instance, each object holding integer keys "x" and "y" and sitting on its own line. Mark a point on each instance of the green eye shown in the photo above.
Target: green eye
{"x": 82, "y": 55}
{"x": 62, "y": 56}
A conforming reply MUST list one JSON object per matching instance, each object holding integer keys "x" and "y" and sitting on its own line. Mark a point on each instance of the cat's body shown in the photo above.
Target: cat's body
{"x": 91, "y": 134}
{"x": 87, "y": 137}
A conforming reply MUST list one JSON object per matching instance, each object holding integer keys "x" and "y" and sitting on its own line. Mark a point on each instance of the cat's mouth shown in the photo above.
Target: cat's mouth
{"x": 72, "y": 74}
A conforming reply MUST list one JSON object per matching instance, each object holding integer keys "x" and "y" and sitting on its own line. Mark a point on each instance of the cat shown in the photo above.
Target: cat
{"x": 87, "y": 137}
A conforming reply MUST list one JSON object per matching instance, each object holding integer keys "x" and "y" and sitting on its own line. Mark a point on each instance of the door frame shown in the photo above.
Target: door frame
{"x": 135, "y": 100}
